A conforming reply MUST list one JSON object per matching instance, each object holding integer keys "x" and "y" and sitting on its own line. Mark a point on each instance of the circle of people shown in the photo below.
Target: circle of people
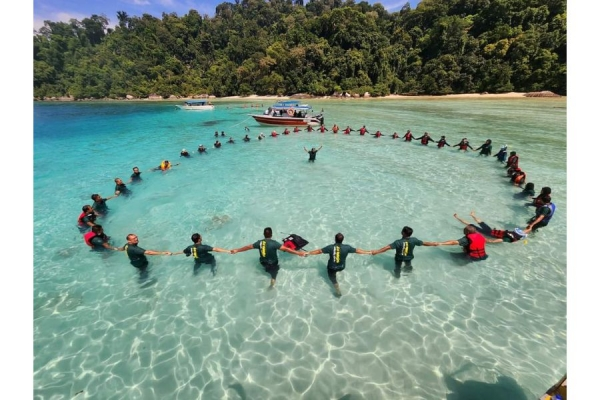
{"x": 473, "y": 242}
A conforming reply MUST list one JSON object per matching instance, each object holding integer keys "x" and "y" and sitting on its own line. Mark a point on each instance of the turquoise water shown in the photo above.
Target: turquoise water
{"x": 450, "y": 329}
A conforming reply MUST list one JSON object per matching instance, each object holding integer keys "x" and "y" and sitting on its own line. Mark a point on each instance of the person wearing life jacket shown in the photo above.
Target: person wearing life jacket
{"x": 337, "y": 258}
{"x": 513, "y": 162}
{"x": 377, "y": 134}
{"x": 286, "y": 132}
{"x": 87, "y": 218}
{"x": 97, "y": 239}
{"x": 499, "y": 235}
{"x": 267, "y": 248}
{"x": 322, "y": 129}
{"x": 363, "y": 130}
{"x": 348, "y": 130}
{"x": 309, "y": 128}
{"x": 294, "y": 242}
{"x": 408, "y": 136}
{"x": 202, "y": 149}
{"x": 246, "y": 138}
{"x": 274, "y": 134}
{"x": 395, "y": 135}
{"x": 463, "y": 145}
{"x": 473, "y": 243}
{"x": 518, "y": 177}
{"x": 425, "y": 139}
{"x": 537, "y": 202}
{"x": 529, "y": 190}
{"x": 543, "y": 214}
{"x": 442, "y": 142}
{"x": 230, "y": 140}
{"x": 335, "y": 128}
{"x": 164, "y": 165}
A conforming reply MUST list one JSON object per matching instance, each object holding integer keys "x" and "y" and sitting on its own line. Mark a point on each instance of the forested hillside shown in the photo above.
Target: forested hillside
{"x": 321, "y": 47}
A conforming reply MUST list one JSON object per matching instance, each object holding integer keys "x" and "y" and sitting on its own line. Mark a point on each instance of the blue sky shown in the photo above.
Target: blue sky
{"x": 64, "y": 10}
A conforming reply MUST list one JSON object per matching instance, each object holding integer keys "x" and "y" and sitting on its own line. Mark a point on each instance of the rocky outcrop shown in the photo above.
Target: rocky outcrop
{"x": 129, "y": 97}
{"x": 543, "y": 93}
{"x": 367, "y": 95}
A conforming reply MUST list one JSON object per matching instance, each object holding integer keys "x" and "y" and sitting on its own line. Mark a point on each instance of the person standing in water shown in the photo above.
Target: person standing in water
{"x": 201, "y": 253}
{"x": 312, "y": 153}
{"x": 267, "y": 248}
{"x": 337, "y": 258}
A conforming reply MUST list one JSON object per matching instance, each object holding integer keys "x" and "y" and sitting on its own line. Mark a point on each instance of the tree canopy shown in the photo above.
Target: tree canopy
{"x": 317, "y": 47}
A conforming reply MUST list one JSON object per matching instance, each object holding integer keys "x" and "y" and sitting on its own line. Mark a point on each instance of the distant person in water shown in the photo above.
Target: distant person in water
{"x": 442, "y": 142}
{"x": 296, "y": 129}
{"x": 538, "y": 202}
{"x": 137, "y": 255}
{"x": 512, "y": 162}
{"x": 267, "y": 249}
{"x": 337, "y": 259}
{"x": 463, "y": 145}
{"x": 135, "y": 177}
{"x": 518, "y": 177}
{"x": 322, "y": 129}
{"x": 261, "y": 136}
{"x": 201, "y": 253}
{"x": 408, "y": 136}
{"x": 184, "y": 153}
{"x": 230, "y": 140}
{"x": 97, "y": 239}
{"x": 164, "y": 165}
{"x": 87, "y": 218}
{"x": 404, "y": 250}
{"x": 363, "y": 130}
{"x": 246, "y": 138}
{"x": 335, "y": 128}
{"x": 502, "y": 154}
{"x": 223, "y": 134}
{"x": 309, "y": 128}
{"x": 274, "y": 134}
{"x": 201, "y": 149}
{"x": 246, "y": 129}
{"x": 216, "y": 134}
{"x": 425, "y": 139}
{"x": 312, "y": 153}
{"x": 217, "y": 144}
{"x": 486, "y": 148}
{"x": 348, "y": 130}
{"x": 99, "y": 204}
{"x": 377, "y": 134}
{"x": 286, "y": 131}
{"x": 121, "y": 188}
{"x": 499, "y": 235}
{"x": 529, "y": 190}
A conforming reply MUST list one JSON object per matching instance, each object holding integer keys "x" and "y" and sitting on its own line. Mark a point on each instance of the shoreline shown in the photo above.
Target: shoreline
{"x": 509, "y": 95}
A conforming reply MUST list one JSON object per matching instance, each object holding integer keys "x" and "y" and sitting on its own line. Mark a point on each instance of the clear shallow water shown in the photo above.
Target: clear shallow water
{"x": 449, "y": 329}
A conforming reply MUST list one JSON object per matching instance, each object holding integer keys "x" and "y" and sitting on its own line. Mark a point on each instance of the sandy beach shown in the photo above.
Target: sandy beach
{"x": 509, "y": 95}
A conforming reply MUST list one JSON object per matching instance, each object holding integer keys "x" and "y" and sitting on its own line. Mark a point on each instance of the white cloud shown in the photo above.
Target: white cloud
{"x": 168, "y": 3}
{"x": 38, "y": 20}
{"x": 141, "y": 2}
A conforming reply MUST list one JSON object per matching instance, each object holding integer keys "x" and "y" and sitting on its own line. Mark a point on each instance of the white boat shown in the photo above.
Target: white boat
{"x": 288, "y": 113}
{"x": 196, "y": 105}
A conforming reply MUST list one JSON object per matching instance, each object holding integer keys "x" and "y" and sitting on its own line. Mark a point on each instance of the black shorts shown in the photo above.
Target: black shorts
{"x": 407, "y": 263}
{"x": 540, "y": 224}
{"x": 331, "y": 273}
{"x": 272, "y": 269}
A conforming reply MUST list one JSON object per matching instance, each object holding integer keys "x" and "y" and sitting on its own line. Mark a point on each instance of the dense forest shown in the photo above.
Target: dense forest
{"x": 322, "y": 47}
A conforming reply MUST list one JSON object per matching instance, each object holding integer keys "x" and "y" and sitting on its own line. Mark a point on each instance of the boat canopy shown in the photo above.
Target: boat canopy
{"x": 196, "y": 102}
{"x": 290, "y": 104}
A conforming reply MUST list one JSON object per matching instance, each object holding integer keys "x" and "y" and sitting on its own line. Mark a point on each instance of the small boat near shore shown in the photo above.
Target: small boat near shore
{"x": 196, "y": 105}
{"x": 289, "y": 113}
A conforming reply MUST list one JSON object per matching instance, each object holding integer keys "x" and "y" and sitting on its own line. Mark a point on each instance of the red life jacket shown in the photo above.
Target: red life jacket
{"x": 425, "y": 140}
{"x": 408, "y": 137}
{"x": 322, "y": 129}
{"x": 463, "y": 145}
{"x": 520, "y": 178}
{"x": 296, "y": 130}
{"x": 362, "y": 131}
{"x": 80, "y": 219}
{"x": 88, "y": 237}
{"x": 476, "y": 248}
